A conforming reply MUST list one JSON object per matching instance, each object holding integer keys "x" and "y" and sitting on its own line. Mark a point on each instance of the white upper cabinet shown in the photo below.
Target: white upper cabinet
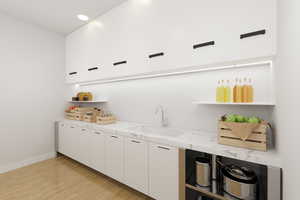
{"x": 126, "y": 48}
{"x": 256, "y": 16}
{"x": 76, "y": 55}
{"x": 152, "y": 36}
{"x": 208, "y": 33}
{"x": 212, "y": 30}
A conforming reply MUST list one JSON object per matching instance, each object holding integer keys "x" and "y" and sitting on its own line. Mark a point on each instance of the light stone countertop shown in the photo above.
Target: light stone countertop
{"x": 195, "y": 140}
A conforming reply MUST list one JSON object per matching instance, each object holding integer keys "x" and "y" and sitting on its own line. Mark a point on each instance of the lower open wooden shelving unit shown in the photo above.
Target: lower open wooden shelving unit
{"x": 207, "y": 193}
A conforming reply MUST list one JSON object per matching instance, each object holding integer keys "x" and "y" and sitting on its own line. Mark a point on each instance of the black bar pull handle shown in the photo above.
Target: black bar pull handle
{"x": 156, "y": 55}
{"x": 120, "y": 63}
{"x": 164, "y": 148}
{"x": 134, "y": 141}
{"x": 92, "y": 69}
{"x": 255, "y": 33}
{"x": 211, "y": 43}
{"x": 72, "y": 73}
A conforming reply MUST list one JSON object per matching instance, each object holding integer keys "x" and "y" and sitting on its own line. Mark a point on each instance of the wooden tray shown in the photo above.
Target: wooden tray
{"x": 257, "y": 140}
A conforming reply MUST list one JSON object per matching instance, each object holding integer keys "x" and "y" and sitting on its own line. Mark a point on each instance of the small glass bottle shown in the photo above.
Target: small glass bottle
{"x": 218, "y": 92}
{"x": 235, "y": 91}
{"x": 250, "y": 91}
{"x": 239, "y": 91}
{"x": 223, "y": 92}
{"x": 228, "y": 92}
{"x": 245, "y": 90}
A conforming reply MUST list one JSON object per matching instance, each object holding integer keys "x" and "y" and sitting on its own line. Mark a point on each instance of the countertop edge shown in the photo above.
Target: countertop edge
{"x": 269, "y": 158}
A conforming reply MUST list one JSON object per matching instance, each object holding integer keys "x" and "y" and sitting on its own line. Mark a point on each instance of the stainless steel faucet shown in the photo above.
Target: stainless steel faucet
{"x": 164, "y": 121}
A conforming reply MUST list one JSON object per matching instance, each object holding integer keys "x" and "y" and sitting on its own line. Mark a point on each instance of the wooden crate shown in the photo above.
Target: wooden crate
{"x": 84, "y": 109}
{"x": 90, "y": 118}
{"x": 70, "y": 115}
{"x": 79, "y": 116}
{"x": 106, "y": 120}
{"x": 257, "y": 139}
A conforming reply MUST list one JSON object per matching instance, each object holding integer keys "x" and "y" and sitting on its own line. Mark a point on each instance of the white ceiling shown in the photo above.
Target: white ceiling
{"x": 56, "y": 15}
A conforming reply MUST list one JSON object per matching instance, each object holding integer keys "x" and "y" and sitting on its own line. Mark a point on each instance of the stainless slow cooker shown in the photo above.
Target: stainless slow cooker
{"x": 203, "y": 172}
{"x": 240, "y": 182}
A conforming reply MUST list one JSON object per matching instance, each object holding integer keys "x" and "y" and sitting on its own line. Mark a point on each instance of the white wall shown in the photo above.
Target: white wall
{"x": 31, "y": 82}
{"x": 137, "y": 100}
{"x": 288, "y": 95}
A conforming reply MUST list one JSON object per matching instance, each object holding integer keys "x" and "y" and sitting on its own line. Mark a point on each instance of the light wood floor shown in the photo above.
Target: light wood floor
{"x": 62, "y": 179}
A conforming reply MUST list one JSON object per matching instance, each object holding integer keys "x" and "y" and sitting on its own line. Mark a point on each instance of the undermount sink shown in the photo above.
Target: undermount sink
{"x": 148, "y": 130}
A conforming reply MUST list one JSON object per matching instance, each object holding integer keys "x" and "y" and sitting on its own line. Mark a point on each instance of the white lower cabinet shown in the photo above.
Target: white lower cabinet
{"x": 84, "y": 146}
{"x": 163, "y": 172}
{"x": 67, "y": 140}
{"x": 150, "y": 168}
{"x": 136, "y": 164}
{"x": 62, "y": 138}
{"x": 73, "y": 133}
{"x": 97, "y": 153}
{"x": 114, "y": 156}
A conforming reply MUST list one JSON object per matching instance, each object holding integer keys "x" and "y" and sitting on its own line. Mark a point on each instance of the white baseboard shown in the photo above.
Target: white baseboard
{"x": 13, "y": 166}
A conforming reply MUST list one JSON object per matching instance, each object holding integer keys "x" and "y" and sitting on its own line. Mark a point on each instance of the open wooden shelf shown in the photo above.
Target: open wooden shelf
{"x": 98, "y": 101}
{"x": 232, "y": 104}
{"x": 209, "y": 194}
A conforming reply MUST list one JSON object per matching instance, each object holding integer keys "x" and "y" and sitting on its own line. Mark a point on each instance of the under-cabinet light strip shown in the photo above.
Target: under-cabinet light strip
{"x": 269, "y": 62}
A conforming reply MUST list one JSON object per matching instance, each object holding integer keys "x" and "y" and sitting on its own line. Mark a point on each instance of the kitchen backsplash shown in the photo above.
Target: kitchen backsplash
{"x": 137, "y": 100}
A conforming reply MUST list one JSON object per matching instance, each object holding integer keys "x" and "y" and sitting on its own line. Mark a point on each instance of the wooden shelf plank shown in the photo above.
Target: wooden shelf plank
{"x": 209, "y": 194}
{"x": 238, "y": 104}
{"x": 98, "y": 101}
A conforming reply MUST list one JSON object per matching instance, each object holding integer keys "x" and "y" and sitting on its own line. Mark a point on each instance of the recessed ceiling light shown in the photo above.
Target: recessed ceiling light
{"x": 83, "y": 17}
{"x": 146, "y": 2}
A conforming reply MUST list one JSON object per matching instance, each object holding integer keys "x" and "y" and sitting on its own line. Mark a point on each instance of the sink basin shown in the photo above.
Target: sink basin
{"x": 148, "y": 130}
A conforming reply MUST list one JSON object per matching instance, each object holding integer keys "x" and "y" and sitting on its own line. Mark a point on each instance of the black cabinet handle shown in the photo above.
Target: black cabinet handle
{"x": 255, "y": 33}
{"x": 92, "y": 69}
{"x": 120, "y": 63}
{"x": 211, "y": 43}
{"x": 115, "y": 137}
{"x": 98, "y": 133}
{"x": 134, "y": 141}
{"x": 156, "y": 55}
{"x": 164, "y": 148}
{"x": 72, "y": 73}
